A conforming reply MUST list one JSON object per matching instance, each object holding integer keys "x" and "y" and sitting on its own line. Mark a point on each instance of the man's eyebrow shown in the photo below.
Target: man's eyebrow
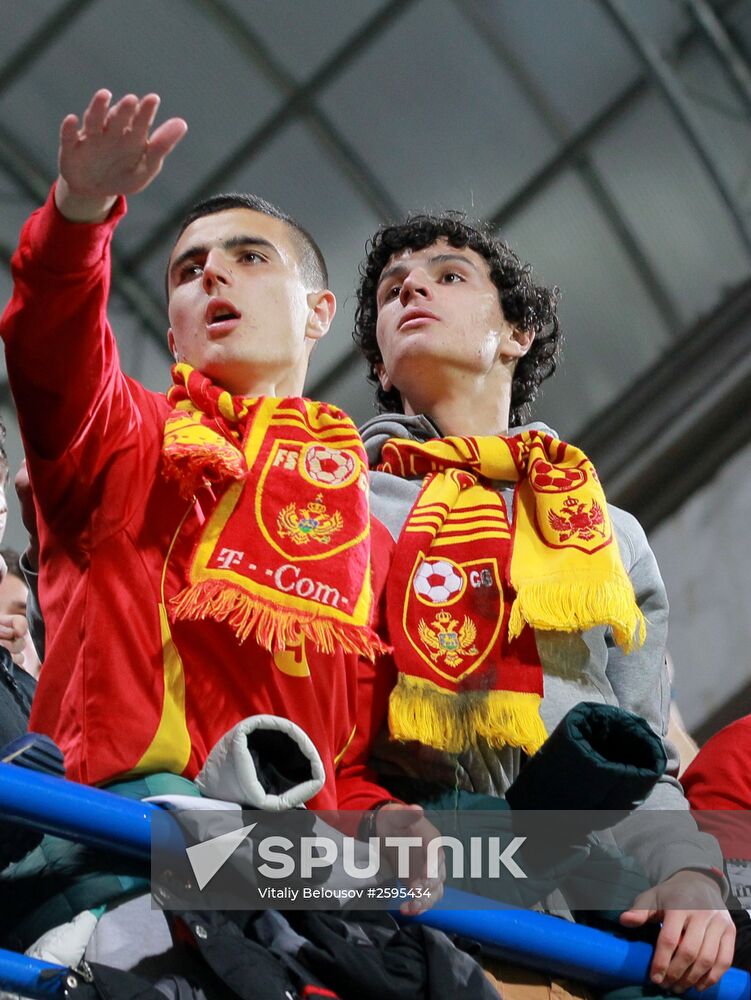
{"x": 197, "y": 250}
{"x": 390, "y": 272}
{"x": 444, "y": 258}
{"x": 201, "y": 249}
{"x": 245, "y": 241}
{"x": 397, "y": 270}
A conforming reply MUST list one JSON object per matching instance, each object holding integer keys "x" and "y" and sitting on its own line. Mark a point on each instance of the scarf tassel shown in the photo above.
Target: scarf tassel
{"x": 573, "y": 604}
{"x": 274, "y": 628}
{"x": 193, "y": 468}
{"x": 420, "y": 710}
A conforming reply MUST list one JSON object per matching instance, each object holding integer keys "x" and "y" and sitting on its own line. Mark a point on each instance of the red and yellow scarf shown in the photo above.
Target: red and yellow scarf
{"x": 285, "y": 553}
{"x": 467, "y": 589}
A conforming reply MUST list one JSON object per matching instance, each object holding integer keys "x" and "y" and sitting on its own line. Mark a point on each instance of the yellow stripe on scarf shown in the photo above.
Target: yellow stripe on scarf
{"x": 565, "y": 564}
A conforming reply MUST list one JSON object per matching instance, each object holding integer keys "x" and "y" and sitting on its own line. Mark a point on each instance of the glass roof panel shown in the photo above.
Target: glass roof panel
{"x": 739, "y": 22}
{"x": 665, "y": 193}
{"x": 18, "y": 29}
{"x": 439, "y": 117}
{"x": 723, "y": 119}
{"x": 438, "y": 133}
{"x": 304, "y": 35}
{"x": 611, "y": 327}
{"x": 15, "y": 208}
{"x": 545, "y": 38}
{"x": 122, "y": 46}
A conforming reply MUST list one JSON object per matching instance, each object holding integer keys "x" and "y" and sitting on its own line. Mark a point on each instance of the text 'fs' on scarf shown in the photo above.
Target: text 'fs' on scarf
{"x": 285, "y": 554}
{"x": 467, "y": 589}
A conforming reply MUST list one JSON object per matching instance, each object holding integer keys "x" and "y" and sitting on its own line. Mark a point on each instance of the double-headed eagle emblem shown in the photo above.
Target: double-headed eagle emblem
{"x": 446, "y": 641}
{"x": 574, "y": 519}
{"x": 309, "y": 523}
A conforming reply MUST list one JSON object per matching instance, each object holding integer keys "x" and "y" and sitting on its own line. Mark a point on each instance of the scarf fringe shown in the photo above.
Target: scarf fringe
{"x": 574, "y": 604}
{"x": 274, "y": 628}
{"x": 420, "y": 710}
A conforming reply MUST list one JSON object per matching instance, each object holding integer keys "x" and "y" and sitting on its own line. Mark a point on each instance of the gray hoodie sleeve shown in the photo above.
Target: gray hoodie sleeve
{"x": 660, "y": 834}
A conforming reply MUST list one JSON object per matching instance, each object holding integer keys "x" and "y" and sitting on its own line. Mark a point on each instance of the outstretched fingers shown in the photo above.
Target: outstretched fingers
{"x": 95, "y": 115}
{"x": 163, "y": 141}
{"x": 111, "y": 153}
{"x": 120, "y": 115}
{"x": 69, "y": 131}
{"x": 144, "y": 116}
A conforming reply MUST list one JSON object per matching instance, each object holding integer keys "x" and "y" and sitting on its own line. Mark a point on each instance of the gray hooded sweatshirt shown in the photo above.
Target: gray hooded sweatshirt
{"x": 578, "y": 666}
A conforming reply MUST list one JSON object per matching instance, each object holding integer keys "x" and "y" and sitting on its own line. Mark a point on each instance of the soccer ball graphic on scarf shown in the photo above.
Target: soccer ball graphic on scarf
{"x": 438, "y": 581}
{"x": 325, "y": 465}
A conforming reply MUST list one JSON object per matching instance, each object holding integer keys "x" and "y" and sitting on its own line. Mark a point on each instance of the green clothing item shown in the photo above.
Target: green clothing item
{"x": 59, "y": 879}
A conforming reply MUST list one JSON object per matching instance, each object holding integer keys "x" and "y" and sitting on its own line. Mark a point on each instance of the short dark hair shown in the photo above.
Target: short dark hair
{"x": 312, "y": 264}
{"x": 525, "y": 305}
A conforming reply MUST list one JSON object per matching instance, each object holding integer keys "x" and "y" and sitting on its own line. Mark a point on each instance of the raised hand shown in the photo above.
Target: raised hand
{"x": 110, "y": 152}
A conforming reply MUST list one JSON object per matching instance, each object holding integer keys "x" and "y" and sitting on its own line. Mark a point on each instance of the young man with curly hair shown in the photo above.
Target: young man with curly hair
{"x": 517, "y": 591}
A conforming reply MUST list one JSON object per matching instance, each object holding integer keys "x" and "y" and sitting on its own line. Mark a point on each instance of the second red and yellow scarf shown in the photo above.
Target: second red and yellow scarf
{"x": 467, "y": 589}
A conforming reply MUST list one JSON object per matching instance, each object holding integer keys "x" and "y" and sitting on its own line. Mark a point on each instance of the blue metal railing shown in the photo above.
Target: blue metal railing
{"x": 103, "y": 819}
{"x": 76, "y": 812}
{"x": 30, "y": 977}
{"x": 559, "y": 948}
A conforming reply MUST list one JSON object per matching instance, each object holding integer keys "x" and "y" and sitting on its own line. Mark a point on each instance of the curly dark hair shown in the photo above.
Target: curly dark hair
{"x": 525, "y": 305}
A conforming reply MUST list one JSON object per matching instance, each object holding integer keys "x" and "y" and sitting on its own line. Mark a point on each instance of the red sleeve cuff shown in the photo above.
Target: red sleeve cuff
{"x": 55, "y": 240}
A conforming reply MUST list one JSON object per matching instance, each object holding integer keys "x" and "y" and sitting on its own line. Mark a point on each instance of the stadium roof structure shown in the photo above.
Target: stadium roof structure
{"x": 606, "y": 140}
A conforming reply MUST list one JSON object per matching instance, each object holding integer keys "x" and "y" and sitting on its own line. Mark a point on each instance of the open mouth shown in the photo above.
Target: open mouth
{"x": 219, "y": 312}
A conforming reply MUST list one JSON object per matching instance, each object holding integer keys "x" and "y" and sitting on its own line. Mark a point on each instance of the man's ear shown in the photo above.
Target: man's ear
{"x": 516, "y": 343}
{"x": 321, "y": 312}
{"x": 383, "y": 376}
{"x": 171, "y": 344}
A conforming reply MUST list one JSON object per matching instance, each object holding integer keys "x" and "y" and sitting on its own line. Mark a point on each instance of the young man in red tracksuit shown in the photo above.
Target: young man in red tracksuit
{"x": 206, "y": 555}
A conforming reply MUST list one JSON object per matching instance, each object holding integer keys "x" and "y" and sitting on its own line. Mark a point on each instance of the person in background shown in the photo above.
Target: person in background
{"x": 29, "y": 560}
{"x": 17, "y": 683}
{"x": 13, "y": 601}
{"x": 717, "y": 783}
{"x": 13, "y": 626}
